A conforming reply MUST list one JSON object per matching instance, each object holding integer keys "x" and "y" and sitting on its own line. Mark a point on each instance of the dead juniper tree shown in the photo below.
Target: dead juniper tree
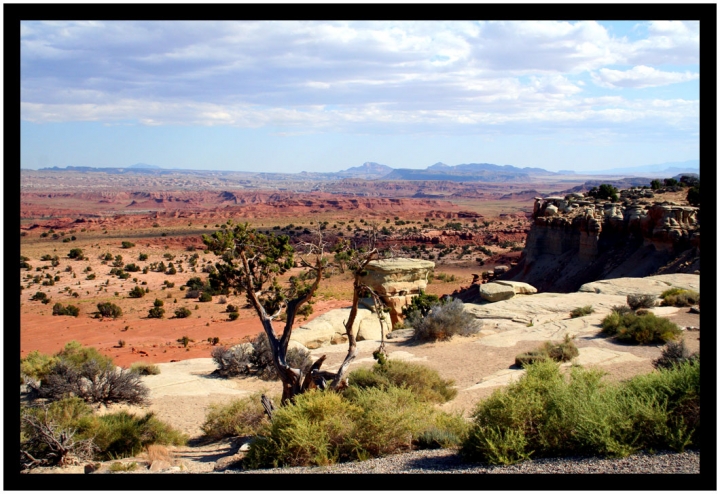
{"x": 252, "y": 263}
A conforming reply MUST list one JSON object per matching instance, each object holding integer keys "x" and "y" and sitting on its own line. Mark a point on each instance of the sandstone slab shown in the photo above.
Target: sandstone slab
{"x": 329, "y": 327}
{"x": 654, "y": 285}
{"x": 519, "y": 287}
{"x": 495, "y": 292}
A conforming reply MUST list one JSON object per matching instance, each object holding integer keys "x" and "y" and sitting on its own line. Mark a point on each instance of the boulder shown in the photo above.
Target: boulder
{"x": 494, "y": 292}
{"x": 329, "y": 328}
{"x": 500, "y": 269}
{"x": 519, "y": 287}
{"x": 654, "y": 285}
{"x": 397, "y": 280}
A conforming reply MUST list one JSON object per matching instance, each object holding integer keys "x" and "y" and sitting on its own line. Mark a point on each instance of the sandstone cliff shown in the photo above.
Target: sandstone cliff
{"x": 574, "y": 240}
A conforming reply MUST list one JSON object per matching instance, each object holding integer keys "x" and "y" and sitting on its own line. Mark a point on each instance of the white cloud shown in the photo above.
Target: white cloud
{"x": 639, "y": 77}
{"x": 347, "y": 75}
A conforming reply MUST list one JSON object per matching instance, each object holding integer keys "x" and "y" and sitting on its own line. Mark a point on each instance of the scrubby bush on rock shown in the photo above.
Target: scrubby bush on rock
{"x": 558, "y": 352}
{"x": 443, "y": 322}
{"x": 82, "y": 372}
{"x": 674, "y": 353}
{"x": 680, "y": 297}
{"x": 145, "y": 369}
{"x": 641, "y": 301}
{"x": 70, "y": 422}
{"x": 321, "y": 428}
{"x": 547, "y": 414}
{"x": 582, "y": 311}
{"x": 424, "y": 382}
{"x": 639, "y": 328}
{"x": 241, "y": 417}
{"x": 255, "y": 359}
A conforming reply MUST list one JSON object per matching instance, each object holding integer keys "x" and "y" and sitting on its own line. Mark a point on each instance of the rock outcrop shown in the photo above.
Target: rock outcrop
{"x": 329, "y": 328}
{"x": 397, "y": 281}
{"x": 575, "y": 241}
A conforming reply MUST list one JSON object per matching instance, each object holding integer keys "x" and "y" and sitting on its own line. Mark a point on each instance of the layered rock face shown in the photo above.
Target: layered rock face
{"x": 574, "y": 240}
{"x": 397, "y": 280}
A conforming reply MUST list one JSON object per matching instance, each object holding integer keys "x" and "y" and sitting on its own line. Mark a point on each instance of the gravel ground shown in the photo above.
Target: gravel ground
{"x": 448, "y": 461}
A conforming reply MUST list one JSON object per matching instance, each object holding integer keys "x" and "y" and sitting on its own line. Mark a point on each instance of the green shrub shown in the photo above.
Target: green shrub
{"x": 680, "y": 297}
{"x": 424, "y": 382}
{"x": 107, "y": 309}
{"x": 582, "y": 311}
{"x": 123, "y": 467}
{"x": 75, "y": 254}
{"x": 145, "y": 369}
{"x": 320, "y": 428}
{"x": 641, "y": 301}
{"x": 674, "y": 353}
{"x": 126, "y": 245}
{"x": 422, "y": 303}
{"x": 205, "y": 297}
{"x": 156, "y": 313}
{"x": 546, "y": 414}
{"x": 158, "y": 303}
{"x": 558, "y": 352}
{"x": 137, "y": 292}
{"x": 241, "y": 417}
{"x": 36, "y": 365}
{"x": 182, "y": 312}
{"x": 70, "y": 310}
{"x": 640, "y": 328}
{"x": 233, "y": 316}
{"x": 123, "y": 434}
{"x": 443, "y": 322}
{"x": 313, "y": 430}
{"x": 142, "y": 257}
{"x": 41, "y": 296}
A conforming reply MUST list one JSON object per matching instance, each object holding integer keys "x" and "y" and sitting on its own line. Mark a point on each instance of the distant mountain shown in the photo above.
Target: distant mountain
{"x": 664, "y": 170}
{"x": 145, "y": 166}
{"x": 467, "y": 172}
{"x": 368, "y": 170}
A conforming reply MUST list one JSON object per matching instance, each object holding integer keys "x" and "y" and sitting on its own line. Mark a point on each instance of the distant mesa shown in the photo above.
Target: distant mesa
{"x": 145, "y": 166}
{"x": 566, "y": 172}
{"x": 368, "y": 169}
{"x": 663, "y": 170}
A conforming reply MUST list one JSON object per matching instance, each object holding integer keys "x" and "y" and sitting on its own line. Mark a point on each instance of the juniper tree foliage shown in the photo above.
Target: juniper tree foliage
{"x": 252, "y": 263}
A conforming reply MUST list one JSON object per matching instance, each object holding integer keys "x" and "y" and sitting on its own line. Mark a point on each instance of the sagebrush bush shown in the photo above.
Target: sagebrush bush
{"x": 255, "y": 359}
{"x": 641, "y": 301}
{"x": 674, "y": 353}
{"x": 680, "y": 297}
{"x": 85, "y": 373}
{"x": 36, "y": 366}
{"x": 424, "y": 382}
{"x": 183, "y": 312}
{"x": 546, "y": 414}
{"x": 443, "y": 322}
{"x": 241, "y": 417}
{"x": 640, "y": 328}
{"x": 70, "y": 310}
{"x": 582, "y": 311}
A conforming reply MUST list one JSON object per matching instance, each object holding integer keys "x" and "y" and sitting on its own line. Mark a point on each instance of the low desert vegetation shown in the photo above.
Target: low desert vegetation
{"x": 81, "y": 372}
{"x": 644, "y": 329}
{"x": 241, "y": 417}
{"x": 582, "y": 311}
{"x": 69, "y": 310}
{"x": 442, "y": 322}
{"x": 641, "y": 301}
{"x": 255, "y": 359}
{"x": 108, "y": 309}
{"x": 321, "y": 428}
{"x": 674, "y": 353}
{"x": 183, "y": 312}
{"x": 564, "y": 351}
{"x": 680, "y": 297}
{"x": 144, "y": 369}
{"x": 67, "y": 430}
{"x": 548, "y": 414}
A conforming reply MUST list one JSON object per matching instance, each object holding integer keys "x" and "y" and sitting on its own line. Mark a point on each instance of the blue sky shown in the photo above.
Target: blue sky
{"x": 325, "y": 96}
